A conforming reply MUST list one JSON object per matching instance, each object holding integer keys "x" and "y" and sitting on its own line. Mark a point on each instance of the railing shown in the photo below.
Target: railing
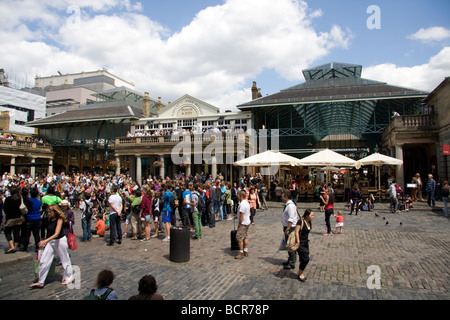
{"x": 418, "y": 121}
{"x": 8, "y": 143}
{"x": 174, "y": 139}
{"x": 410, "y": 122}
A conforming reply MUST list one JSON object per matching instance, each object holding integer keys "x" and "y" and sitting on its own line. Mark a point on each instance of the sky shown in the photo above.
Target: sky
{"x": 214, "y": 49}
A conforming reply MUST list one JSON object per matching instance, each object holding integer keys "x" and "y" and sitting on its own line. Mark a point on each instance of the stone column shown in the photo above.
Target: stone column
{"x": 12, "y": 169}
{"x": 214, "y": 167}
{"x": 118, "y": 165}
{"x": 50, "y": 166}
{"x": 399, "y": 169}
{"x": 138, "y": 169}
{"x": 33, "y": 168}
{"x": 161, "y": 169}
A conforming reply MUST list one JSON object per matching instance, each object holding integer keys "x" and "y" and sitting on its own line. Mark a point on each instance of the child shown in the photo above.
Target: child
{"x": 408, "y": 203}
{"x": 339, "y": 222}
{"x": 99, "y": 227}
{"x": 156, "y": 212}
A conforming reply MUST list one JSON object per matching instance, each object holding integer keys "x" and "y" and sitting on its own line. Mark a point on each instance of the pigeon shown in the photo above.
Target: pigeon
{"x": 387, "y": 222}
{"x": 384, "y": 218}
{"x": 401, "y": 223}
{"x": 376, "y": 215}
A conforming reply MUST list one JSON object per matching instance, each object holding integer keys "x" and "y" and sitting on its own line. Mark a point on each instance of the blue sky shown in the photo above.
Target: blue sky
{"x": 215, "y": 49}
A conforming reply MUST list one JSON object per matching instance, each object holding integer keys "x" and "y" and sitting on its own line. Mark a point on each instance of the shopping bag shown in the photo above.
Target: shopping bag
{"x": 72, "y": 241}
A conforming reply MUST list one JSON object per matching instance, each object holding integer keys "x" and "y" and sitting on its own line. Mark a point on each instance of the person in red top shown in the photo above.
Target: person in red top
{"x": 328, "y": 202}
{"x": 339, "y": 222}
{"x": 253, "y": 199}
{"x": 146, "y": 211}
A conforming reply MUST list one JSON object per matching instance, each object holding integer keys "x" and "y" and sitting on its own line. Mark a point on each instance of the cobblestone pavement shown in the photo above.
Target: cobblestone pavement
{"x": 413, "y": 258}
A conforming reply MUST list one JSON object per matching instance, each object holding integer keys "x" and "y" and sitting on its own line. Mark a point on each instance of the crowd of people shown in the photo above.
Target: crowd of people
{"x": 182, "y": 131}
{"x": 200, "y": 201}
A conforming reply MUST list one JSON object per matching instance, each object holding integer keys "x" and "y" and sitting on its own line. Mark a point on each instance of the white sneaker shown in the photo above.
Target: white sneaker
{"x": 154, "y": 235}
{"x": 166, "y": 239}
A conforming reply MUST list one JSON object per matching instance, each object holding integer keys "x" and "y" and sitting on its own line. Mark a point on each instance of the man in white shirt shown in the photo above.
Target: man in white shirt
{"x": 289, "y": 221}
{"x": 244, "y": 222}
{"x": 115, "y": 210}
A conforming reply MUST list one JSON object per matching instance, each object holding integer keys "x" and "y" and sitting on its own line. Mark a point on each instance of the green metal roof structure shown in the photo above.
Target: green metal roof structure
{"x": 334, "y": 100}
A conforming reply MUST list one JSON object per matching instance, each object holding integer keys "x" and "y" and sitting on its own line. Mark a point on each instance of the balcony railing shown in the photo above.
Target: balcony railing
{"x": 174, "y": 139}
{"x": 410, "y": 123}
{"x": 20, "y": 144}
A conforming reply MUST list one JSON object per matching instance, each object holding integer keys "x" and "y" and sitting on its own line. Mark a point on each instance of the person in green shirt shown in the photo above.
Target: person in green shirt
{"x": 49, "y": 199}
{"x": 228, "y": 201}
{"x": 135, "y": 220}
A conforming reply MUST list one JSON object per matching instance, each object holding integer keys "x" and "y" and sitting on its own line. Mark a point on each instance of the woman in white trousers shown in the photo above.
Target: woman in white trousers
{"x": 54, "y": 244}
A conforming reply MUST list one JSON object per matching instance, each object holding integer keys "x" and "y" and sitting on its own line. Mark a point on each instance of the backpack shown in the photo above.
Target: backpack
{"x": 173, "y": 202}
{"x": 317, "y": 191}
{"x": 201, "y": 202}
{"x": 87, "y": 211}
{"x": 91, "y": 295}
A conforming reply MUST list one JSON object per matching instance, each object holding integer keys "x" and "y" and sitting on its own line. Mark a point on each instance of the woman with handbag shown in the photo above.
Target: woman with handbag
{"x": 13, "y": 219}
{"x": 56, "y": 243}
{"x": 302, "y": 230}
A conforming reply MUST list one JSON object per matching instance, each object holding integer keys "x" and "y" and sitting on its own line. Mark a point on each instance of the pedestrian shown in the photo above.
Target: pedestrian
{"x": 418, "y": 190}
{"x": 47, "y": 200}
{"x": 147, "y": 289}
{"x": 135, "y": 210}
{"x": 156, "y": 213}
{"x": 244, "y": 223}
{"x": 212, "y": 204}
{"x": 104, "y": 291}
{"x": 86, "y": 207}
{"x": 167, "y": 210}
{"x": 146, "y": 212}
{"x": 328, "y": 201}
{"x": 339, "y": 222}
{"x": 254, "y": 201}
{"x": 431, "y": 186}
{"x": 294, "y": 191}
{"x": 187, "y": 205}
{"x": 302, "y": 230}
{"x": 56, "y": 243}
{"x": 393, "y": 197}
{"x": 356, "y": 199}
{"x": 196, "y": 214}
{"x": 13, "y": 219}
{"x": 33, "y": 220}
{"x": 115, "y": 211}
{"x": 445, "y": 196}
{"x": 228, "y": 201}
{"x": 289, "y": 221}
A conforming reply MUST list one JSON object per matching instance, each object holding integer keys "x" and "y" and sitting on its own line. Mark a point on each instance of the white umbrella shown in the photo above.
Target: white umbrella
{"x": 378, "y": 160}
{"x": 327, "y": 158}
{"x": 268, "y": 158}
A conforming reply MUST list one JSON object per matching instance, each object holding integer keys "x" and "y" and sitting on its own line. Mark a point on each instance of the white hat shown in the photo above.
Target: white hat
{"x": 64, "y": 203}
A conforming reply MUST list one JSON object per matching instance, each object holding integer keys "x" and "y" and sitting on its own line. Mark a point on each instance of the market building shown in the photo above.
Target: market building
{"x": 213, "y": 141}
{"x": 336, "y": 108}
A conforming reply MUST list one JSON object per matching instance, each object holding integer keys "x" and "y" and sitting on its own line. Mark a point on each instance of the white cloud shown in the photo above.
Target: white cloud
{"x": 423, "y": 77}
{"x": 431, "y": 34}
{"x": 211, "y": 58}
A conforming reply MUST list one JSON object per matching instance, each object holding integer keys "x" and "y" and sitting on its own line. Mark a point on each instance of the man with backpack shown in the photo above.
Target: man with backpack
{"x": 199, "y": 205}
{"x": 86, "y": 214}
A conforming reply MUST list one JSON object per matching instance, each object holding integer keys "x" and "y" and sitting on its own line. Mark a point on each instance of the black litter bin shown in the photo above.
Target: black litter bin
{"x": 180, "y": 244}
